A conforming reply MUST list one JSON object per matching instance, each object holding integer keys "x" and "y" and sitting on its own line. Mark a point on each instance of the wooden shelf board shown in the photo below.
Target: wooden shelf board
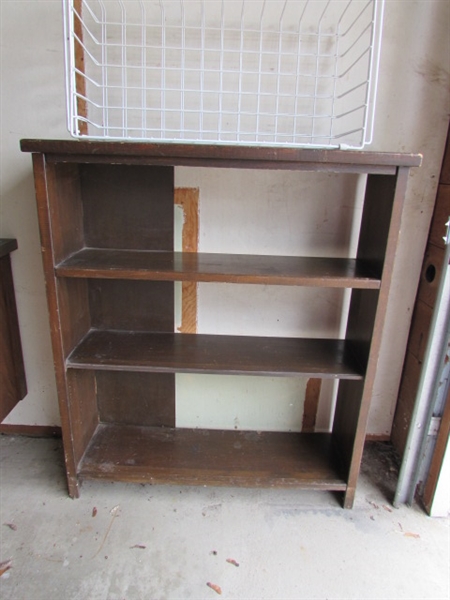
{"x": 211, "y": 457}
{"x": 222, "y": 155}
{"x": 226, "y": 268}
{"x": 225, "y": 354}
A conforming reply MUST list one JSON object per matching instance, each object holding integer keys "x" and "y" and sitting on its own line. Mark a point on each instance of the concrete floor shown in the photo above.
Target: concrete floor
{"x": 127, "y": 542}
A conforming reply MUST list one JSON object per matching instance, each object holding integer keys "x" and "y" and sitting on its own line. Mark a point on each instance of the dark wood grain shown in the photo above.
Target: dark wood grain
{"x": 82, "y": 394}
{"x": 377, "y": 210}
{"x": 207, "y": 457}
{"x": 311, "y": 404}
{"x": 345, "y": 429}
{"x": 239, "y": 156}
{"x": 128, "y": 207}
{"x": 229, "y": 268}
{"x": 79, "y": 202}
{"x": 441, "y": 214}
{"x": 65, "y": 209}
{"x": 218, "y": 162}
{"x": 135, "y": 398}
{"x": 131, "y": 305}
{"x": 196, "y": 353}
{"x": 431, "y": 273}
{"x": 13, "y": 385}
{"x": 406, "y": 400}
{"x": 445, "y": 169}
{"x": 43, "y": 200}
{"x": 74, "y": 312}
{"x": 106, "y": 221}
{"x": 367, "y": 315}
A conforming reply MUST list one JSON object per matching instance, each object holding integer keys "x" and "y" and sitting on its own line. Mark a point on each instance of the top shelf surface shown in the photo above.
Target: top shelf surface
{"x": 221, "y": 155}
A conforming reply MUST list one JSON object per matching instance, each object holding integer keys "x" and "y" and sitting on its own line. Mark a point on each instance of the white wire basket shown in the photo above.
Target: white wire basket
{"x": 253, "y": 72}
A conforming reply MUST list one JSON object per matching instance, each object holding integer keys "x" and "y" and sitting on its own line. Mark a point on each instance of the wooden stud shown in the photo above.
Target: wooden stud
{"x": 188, "y": 199}
{"x": 312, "y": 396}
{"x": 80, "y": 80}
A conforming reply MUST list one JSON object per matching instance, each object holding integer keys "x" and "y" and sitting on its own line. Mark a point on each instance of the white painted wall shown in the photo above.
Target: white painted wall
{"x": 32, "y": 105}
{"x": 412, "y": 115}
{"x": 261, "y": 212}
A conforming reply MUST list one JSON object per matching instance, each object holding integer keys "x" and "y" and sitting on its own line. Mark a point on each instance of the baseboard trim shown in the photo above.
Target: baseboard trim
{"x": 44, "y": 431}
{"x": 373, "y": 437}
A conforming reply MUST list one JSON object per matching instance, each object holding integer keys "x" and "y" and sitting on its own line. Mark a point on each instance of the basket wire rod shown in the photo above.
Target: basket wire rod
{"x": 88, "y": 78}
{"x": 351, "y": 111}
{"x": 143, "y": 67}
{"x": 104, "y": 71}
{"x": 349, "y": 132}
{"x": 319, "y": 30}
{"x": 87, "y": 6}
{"x": 163, "y": 71}
{"x": 68, "y": 62}
{"x": 349, "y": 91}
{"x": 202, "y": 67}
{"x": 258, "y": 101}
{"x": 75, "y": 95}
{"x": 241, "y": 53}
{"x": 86, "y": 29}
{"x": 342, "y": 15}
{"x": 123, "y": 69}
{"x": 358, "y": 17}
{"x": 335, "y": 72}
{"x": 363, "y": 32}
{"x": 364, "y": 106}
{"x": 87, "y": 52}
{"x": 374, "y": 63}
{"x": 280, "y": 47}
{"x": 182, "y": 68}
{"x": 354, "y": 63}
{"x": 297, "y": 70}
{"x": 221, "y": 58}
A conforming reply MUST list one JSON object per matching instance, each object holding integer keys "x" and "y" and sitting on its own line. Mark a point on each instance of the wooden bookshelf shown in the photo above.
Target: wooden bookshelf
{"x": 106, "y": 223}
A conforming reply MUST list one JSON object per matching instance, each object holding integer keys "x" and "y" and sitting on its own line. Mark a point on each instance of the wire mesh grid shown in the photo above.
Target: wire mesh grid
{"x": 263, "y": 72}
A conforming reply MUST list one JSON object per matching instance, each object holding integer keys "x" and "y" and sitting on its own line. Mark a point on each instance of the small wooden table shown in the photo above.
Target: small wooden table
{"x": 13, "y": 385}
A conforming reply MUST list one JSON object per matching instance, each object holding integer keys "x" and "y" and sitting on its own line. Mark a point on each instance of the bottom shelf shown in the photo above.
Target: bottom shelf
{"x": 212, "y": 457}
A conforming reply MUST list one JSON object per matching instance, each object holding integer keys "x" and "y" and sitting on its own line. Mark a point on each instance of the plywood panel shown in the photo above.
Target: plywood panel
{"x": 129, "y": 207}
{"x": 136, "y": 398}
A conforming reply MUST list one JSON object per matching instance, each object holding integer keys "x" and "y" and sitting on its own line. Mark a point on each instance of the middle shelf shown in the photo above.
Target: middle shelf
{"x": 104, "y": 263}
{"x": 225, "y": 354}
